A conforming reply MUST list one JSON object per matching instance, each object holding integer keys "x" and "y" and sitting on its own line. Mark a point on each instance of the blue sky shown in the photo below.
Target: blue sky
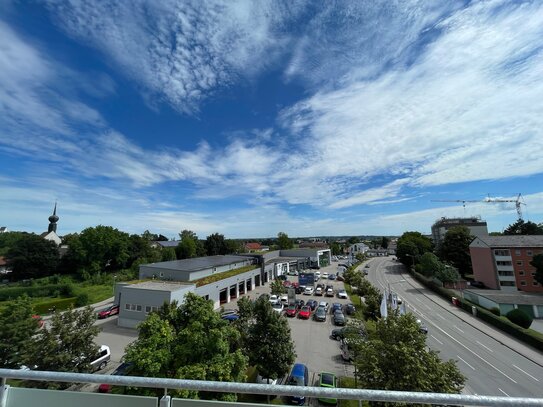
{"x": 251, "y": 118}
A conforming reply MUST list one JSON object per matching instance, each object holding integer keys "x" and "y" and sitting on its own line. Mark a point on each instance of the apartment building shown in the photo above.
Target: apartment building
{"x": 503, "y": 262}
{"x": 476, "y": 226}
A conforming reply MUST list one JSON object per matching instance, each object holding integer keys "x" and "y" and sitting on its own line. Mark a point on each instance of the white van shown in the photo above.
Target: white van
{"x": 104, "y": 356}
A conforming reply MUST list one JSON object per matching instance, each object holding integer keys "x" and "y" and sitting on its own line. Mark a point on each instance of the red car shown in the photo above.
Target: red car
{"x": 305, "y": 312}
{"x": 108, "y": 312}
{"x": 38, "y": 319}
{"x": 291, "y": 311}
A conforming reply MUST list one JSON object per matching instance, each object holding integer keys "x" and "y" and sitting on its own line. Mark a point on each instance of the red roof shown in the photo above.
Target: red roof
{"x": 253, "y": 246}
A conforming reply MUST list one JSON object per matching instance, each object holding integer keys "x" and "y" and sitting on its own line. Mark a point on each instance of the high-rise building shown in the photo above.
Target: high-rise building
{"x": 476, "y": 226}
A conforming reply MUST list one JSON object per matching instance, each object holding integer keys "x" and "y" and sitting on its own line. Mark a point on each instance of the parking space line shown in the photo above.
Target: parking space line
{"x": 437, "y": 340}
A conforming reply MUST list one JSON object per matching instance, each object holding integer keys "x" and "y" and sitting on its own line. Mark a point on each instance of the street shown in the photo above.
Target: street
{"x": 491, "y": 367}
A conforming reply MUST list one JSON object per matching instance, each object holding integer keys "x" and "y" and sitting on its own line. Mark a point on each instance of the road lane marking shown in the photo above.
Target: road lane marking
{"x": 441, "y": 316}
{"x": 486, "y": 347}
{"x": 526, "y": 373}
{"x": 458, "y": 329}
{"x": 437, "y": 340}
{"x": 465, "y": 362}
{"x": 469, "y": 350}
{"x": 503, "y": 392}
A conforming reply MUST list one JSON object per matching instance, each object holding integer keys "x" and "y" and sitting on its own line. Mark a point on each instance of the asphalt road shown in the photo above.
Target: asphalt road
{"x": 490, "y": 367}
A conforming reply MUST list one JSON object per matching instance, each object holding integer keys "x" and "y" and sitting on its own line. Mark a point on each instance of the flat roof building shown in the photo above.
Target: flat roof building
{"x": 476, "y": 226}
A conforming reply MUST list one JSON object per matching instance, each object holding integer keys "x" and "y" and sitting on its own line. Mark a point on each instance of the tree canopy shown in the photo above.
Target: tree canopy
{"x": 520, "y": 227}
{"x": 215, "y": 245}
{"x": 395, "y": 357}
{"x": 189, "y": 341}
{"x": 284, "y": 242}
{"x": 411, "y": 246}
{"x": 31, "y": 256}
{"x": 455, "y": 248}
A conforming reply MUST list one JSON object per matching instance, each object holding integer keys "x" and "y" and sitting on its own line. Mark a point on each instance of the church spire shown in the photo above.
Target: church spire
{"x": 53, "y": 219}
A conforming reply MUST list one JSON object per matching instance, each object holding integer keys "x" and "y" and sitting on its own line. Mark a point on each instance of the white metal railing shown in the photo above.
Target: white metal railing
{"x": 264, "y": 389}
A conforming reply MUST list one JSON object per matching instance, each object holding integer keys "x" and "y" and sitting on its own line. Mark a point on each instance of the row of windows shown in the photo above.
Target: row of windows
{"x": 507, "y": 283}
{"x": 522, "y": 273}
{"x": 534, "y": 283}
{"x": 506, "y": 273}
{"x": 139, "y": 308}
{"x": 504, "y": 263}
{"x": 505, "y": 252}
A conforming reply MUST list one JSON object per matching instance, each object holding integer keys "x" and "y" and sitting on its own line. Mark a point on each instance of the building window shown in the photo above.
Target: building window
{"x": 504, "y": 263}
{"x": 517, "y": 252}
{"x": 521, "y": 273}
{"x": 502, "y": 252}
{"x": 533, "y": 273}
{"x": 133, "y": 307}
{"x": 535, "y": 283}
{"x": 529, "y": 253}
{"x": 149, "y": 308}
{"x": 507, "y": 283}
{"x": 519, "y": 262}
{"x": 505, "y": 273}
{"x": 127, "y": 307}
{"x": 523, "y": 282}
{"x": 161, "y": 274}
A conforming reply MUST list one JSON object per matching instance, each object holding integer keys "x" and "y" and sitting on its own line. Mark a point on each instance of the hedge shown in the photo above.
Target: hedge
{"x": 528, "y": 336}
{"x": 60, "y": 304}
{"x": 48, "y": 290}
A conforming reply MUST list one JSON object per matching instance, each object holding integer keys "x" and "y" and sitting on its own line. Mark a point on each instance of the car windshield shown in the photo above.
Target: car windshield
{"x": 277, "y": 306}
{"x": 305, "y": 309}
{"x": 296, "y": 381}
{"x": 327, "y": 379}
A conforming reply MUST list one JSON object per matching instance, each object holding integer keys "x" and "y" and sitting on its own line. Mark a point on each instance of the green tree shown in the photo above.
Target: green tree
{"x": 395, "y": 358}
{"x": 18, "y": 327}
{"x": 447, "y": 274}
{"x": 234, "y": 246}
{"x": 8, "y": 240}
{"x": 189, "y": 341}
{"x": 455, "y": 248}
{"x": 384, "y": 242}
{"x": 353, "y": 240}
{"x": 67, "y": 345}
{"x": 186, "y": 249}
{"x": 335, "y": 247}
{"x": 412, "y": 245}
{"x": 284, "y": 242}
{"x": 269, "y": 343}
{"x": 31, "y": 256}
{"x": 277, "y": 287}
{"x": 429, "y": 264}
{"x": 215, "y": 245}
{"x": 140, "y": 249}
{"x": 168, "y": 254}
{"x": 520, "y": 227}
{"x": 537, "y": 262}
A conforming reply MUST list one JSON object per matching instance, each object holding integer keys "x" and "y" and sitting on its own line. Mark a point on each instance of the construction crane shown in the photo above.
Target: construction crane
{"x": 454, "y": 200}
{"x": 517, "y": 202}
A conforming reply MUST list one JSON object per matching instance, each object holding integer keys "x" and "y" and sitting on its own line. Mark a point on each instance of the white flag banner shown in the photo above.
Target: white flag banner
{"x": 384, "y": 311}
{"x": 394, "y": 301}
{"x": 403, "y": 311}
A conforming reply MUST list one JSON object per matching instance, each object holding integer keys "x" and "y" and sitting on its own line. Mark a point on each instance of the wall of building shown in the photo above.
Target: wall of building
{"x": 483, "y": 266}
{"x": 524, "y": 271}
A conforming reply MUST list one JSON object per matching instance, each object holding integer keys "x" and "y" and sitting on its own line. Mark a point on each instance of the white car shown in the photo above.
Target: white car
{"x": 273, "y": 299}
{"x": 330, "y": 292}
{"x": 324, "y": 304}
{"x": 284, "y": 299}
{"x": 342, "y": 294}
{"x": 308, "y": 291}
{"x": 278, "y": 307}
{"x": 318, "y": 291}
{"x": 264, "y": 380}
{"x": 325, "y": 275}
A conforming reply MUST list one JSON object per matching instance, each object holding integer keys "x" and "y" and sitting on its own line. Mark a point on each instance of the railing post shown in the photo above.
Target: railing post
{"x": 3, "y": 392}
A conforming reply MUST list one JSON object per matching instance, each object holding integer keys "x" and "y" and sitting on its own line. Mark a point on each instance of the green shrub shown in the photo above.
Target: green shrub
{"x": 495, "y": 311}
{"x": 47, "y": 290}
{"x": 519, "y": 317}
{"x": 81, "y": 300}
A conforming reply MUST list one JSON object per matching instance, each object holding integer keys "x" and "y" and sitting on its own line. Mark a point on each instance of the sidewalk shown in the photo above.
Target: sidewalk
{"x": 505, "y": 339}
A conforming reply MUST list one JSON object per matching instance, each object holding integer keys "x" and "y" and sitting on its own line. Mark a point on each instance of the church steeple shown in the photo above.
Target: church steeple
{"x": 53, "y": 219}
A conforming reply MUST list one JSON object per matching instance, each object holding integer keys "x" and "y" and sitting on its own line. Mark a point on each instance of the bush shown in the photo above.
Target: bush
{"x": 81, "y": 300}
{"x": 495, "y": 311}
{"x": 519, "y": 317}
{"x": 47, "y": 290}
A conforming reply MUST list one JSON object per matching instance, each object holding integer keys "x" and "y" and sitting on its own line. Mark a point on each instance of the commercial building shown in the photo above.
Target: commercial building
{"x": 476, "y": 226}
{"x": 505, "y": 301}
{"x": 503, "y": 262}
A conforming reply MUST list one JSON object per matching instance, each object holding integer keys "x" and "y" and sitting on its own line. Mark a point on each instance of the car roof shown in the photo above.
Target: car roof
{"x": 298, "y": 369}
{"x": 327, "y": 379}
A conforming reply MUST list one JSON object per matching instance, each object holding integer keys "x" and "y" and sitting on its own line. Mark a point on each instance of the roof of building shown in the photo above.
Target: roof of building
{"x": 513, "y": 240}
{"x": 167, "y": 243}
{"x": 284, "y": 259}
{"x": 159, "y": 285}
{"x": 253, "y": 246}
{"x": 199, "y": 263}
{"x": 312, "y": 245}
{"x": 504, "y": 297}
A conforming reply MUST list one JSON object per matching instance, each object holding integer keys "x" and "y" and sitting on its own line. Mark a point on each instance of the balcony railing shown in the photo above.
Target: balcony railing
{"x": 15, "y": 397}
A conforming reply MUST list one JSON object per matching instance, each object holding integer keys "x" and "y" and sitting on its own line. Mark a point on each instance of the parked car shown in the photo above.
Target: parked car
{"x": 330, "y": 292}
{"x": 324, "y": 304}
{"x": 265, "y": 380}
{"x": 324, "y": 275}
{"x": 299, "y": 303}
{"x": 123, "y": 370}
{"x": 340, "y": 333}
{"x": 284, "y": 299}
{"x": 291, "y": 311}
{"x": 342, "y": 294}
{"x": 367, "y": 266}
{"x": 339, "y": 318}
{"x": 328, "y": 380}
{"x": 278, "y": 307}
{"x": 308, "y": 291}
{"x": 340, "y": 277}
{"x": 335, "y": 306}
{"x": 305, "y": 312}
{"x": 273, "y": 299}
{"x": 102, "y": 359}
{"x": 282, "y": 277}
{"x": 318, "y": 291}
{"x": 331, "y": 277}
{"x": 230, "y": 317}
{"x": 299, "y": 376}
{"x": 320, "y": 314}
{"x": 317, "y": 275}
{"x": 312, "y": 304}
{"x": 300, "y": 289}
{"x": 109, "y": 311}
{"x": 287, "y": 284}
{"x": 349, "y": 309}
